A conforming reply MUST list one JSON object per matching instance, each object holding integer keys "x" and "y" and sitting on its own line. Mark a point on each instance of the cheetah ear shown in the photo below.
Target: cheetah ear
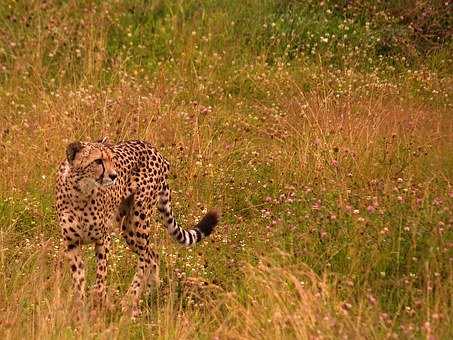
{"x": 72, "y": 150}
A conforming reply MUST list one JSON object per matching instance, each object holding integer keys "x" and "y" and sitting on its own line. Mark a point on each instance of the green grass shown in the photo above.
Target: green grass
{"x": 321, "y": 131}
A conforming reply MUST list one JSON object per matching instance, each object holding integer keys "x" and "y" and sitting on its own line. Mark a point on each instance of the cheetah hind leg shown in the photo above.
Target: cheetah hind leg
{"x": 142, "y": 286}
{"x": 135, "y": 233}
{"x": 153, "y": 275}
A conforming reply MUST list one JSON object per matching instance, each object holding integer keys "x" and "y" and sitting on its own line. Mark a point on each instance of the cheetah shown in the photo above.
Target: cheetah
{"x": 102, "y": 187}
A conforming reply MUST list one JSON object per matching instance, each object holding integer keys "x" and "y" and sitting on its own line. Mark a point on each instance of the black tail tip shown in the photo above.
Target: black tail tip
{"x": 208, "y": 222}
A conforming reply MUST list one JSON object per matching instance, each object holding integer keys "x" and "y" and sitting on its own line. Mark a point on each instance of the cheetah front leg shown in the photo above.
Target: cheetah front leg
{"x": 102, "y": 248}
{"x": 73, "y": 253}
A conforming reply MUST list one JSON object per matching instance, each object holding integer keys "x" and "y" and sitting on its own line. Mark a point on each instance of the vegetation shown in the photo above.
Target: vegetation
{"x": 321, "y": 130}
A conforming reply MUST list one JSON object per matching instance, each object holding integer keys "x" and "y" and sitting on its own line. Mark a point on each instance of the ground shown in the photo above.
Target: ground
{"x": 322, "y": 132}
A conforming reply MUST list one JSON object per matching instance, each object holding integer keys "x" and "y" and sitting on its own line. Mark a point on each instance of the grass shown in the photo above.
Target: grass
{"x": 321, "y": 131}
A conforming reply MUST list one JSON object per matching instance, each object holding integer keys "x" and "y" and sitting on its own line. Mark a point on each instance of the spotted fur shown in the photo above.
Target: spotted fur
{"x": 102, "y": 186}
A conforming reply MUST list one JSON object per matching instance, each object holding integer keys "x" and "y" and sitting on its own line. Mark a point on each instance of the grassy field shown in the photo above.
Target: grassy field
{"x": 322, "y": 131}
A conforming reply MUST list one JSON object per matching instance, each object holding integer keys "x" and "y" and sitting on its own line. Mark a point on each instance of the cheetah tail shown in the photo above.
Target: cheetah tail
{"x": 187, "y": 237}
{"x": 202, "y": 230}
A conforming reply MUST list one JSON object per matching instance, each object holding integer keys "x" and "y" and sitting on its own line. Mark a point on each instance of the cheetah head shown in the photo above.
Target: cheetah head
{"x": 92, "y": 163}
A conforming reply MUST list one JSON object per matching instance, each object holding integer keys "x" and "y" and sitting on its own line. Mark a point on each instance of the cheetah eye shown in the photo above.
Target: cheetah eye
{"x": 98, "y": 161}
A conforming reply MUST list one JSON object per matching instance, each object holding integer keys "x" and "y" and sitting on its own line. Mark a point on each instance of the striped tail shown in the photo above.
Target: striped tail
{"x": 187, "y": 237}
